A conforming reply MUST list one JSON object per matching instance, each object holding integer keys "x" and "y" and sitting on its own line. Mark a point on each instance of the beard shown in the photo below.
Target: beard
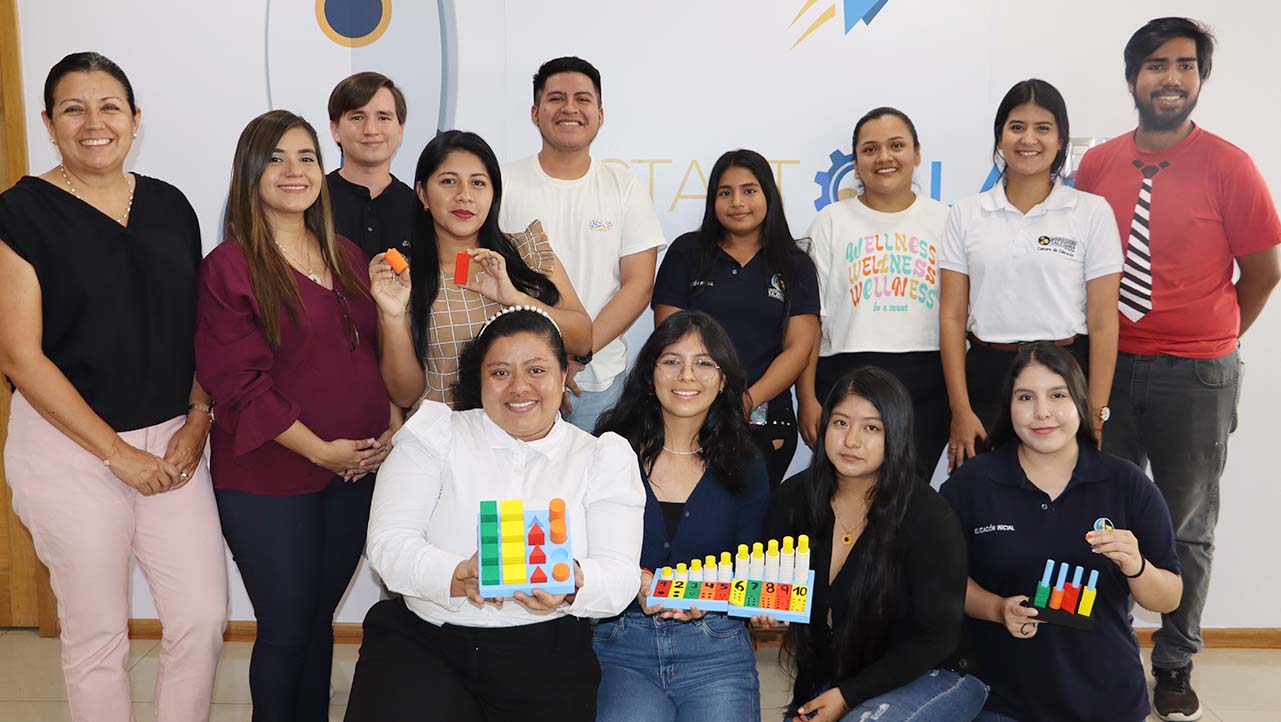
{"x": 1152, "y": 119}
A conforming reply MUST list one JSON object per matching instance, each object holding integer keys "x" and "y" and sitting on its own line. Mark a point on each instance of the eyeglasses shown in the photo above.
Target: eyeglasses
{"x": 672, "y": 368}
{"x": 353, "y": 333}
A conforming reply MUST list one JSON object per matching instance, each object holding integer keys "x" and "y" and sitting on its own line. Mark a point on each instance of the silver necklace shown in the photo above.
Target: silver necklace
{"x": 691, "y": 452}
{"x": 122, "y": 219}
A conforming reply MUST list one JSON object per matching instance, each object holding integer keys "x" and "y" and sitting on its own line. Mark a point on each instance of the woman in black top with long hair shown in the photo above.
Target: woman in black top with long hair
{"x": 742, "y": 267}
{"x": 889, "y": 592}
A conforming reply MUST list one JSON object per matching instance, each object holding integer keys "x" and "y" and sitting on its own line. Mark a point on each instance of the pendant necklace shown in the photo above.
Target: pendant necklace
{"x": 848, "y": 538}
{"x": 308, "y": 273}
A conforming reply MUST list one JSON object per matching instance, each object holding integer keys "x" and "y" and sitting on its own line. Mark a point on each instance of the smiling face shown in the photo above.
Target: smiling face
{"x": 885, "y": 156}
{"x": 1029, "y": 141}
{"x": 855, "y": 440}
{"x": 458, "y": 194}
{"x": 687, "y": 379}
{"x": 91, "y": 122}
{"x": 1167, "y": 86}
{"x": 740, "y": 202}
{"x": 370, "y": 134}
{"x": 521, "y": 385}
{"x": 1042, "y": 411}
{"x": 291, "y": 180}
{"x": 568, "y": 113}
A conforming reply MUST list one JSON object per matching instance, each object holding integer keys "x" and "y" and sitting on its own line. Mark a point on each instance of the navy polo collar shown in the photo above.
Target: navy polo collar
{"x": 1009, "y": 472}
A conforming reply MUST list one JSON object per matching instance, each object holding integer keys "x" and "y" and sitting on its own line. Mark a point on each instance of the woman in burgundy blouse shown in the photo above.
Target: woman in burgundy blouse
{"x": 286, "y": 346}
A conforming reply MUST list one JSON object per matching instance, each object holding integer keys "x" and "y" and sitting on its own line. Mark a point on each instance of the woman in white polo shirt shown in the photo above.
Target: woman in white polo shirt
{"x": 1032, "y": 259}
{"x": 442, "y": 652}
{"x": 877, "y": 260}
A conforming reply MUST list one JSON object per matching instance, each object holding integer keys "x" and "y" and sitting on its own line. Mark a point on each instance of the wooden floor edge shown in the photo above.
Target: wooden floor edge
{"x": 350, "y": 633}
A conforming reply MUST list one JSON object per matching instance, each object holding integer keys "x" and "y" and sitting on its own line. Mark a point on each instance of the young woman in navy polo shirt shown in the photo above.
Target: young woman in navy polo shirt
{"x": 1047, "y": 493}
{"x": 706, "y": 493}
{"x": 743, "y": 267}
{"x": 1032, "y": 259}
{"x": 889, "y": 592}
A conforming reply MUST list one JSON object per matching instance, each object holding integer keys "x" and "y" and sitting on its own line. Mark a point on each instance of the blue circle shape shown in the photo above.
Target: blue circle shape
{"x": 353, "y": 18}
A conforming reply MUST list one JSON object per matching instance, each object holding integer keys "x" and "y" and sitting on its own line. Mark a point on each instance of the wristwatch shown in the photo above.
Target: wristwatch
{"x": 207, "y": 408}
{"x": 584, "y": 360}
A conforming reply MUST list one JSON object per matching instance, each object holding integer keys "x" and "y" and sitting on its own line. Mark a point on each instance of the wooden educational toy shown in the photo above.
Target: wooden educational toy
{"x": 1064, "y": 604}
{"x": 397, "y": 261}
{"x": 462, "y": 268}
{"x": 522, "y": 550}
{"x": 769, "y": 580}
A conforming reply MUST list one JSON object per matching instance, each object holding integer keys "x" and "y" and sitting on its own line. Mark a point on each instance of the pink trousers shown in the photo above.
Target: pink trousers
{"x": 87, "y": 524}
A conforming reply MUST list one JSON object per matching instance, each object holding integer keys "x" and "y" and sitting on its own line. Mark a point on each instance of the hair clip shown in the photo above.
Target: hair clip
{"x": 513, "y": 309}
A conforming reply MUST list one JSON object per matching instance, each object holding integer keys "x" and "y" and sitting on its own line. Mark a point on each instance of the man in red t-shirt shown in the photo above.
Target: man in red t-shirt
{"x": 1189, "y": 204}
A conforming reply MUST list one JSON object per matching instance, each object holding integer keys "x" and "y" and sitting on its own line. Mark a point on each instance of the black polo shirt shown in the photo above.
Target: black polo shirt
{"x": 1012, "y": 528}
{"x": 750, "y": 301}
{"x": 374, "y": 224}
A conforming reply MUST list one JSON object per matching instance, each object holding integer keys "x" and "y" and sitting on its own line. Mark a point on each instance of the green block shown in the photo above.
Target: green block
{"x": 753, "y": 594}
{"x": 692, "y": 590}
{"x": 489, "y": 532}
{"x": 489, "y": 511}
{"x": 490, "y": 575}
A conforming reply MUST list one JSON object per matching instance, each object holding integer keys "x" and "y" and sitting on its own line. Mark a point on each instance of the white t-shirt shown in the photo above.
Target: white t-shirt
{"x": 591, "y": 222}
{"x": 1028, "y": 272}
{"x": 878, "y": 276}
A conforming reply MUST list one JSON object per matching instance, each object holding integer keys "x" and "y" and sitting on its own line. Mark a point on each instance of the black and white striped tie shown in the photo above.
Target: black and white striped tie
{"x": 1136, "y": 274}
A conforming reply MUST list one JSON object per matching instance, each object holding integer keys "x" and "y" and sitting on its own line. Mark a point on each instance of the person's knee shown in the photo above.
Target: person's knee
{"x": 201, "y": 621}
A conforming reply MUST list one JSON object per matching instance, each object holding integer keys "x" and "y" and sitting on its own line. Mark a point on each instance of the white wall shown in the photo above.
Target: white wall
{"x": 683, "y": 82}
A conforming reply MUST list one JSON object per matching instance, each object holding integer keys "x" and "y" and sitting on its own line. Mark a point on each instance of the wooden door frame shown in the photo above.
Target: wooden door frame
{"x": 31, "y": 603}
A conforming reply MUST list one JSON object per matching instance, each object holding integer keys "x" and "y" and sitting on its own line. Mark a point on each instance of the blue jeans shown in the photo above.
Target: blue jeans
{"x": 589, "y": 406}
{"x": 1177, "y": 413}
{"x": 939, "y": 695}
{"x": 656, "y": 670}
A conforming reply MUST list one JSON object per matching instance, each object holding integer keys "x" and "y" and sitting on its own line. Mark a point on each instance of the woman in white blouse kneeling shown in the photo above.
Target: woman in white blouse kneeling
{"x": 443, "y": 652}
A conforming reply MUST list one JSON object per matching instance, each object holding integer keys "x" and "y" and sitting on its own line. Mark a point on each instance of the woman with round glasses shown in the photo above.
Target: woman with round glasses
{"x": 285, "y": 344}
{"x": 706, "y": 492}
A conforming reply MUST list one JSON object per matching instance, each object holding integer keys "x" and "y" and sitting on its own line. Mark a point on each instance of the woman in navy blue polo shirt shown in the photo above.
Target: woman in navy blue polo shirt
{"x": 706, "y": 493}
{"x": 1046, "y": 497}
{"x": 743, "y": 267}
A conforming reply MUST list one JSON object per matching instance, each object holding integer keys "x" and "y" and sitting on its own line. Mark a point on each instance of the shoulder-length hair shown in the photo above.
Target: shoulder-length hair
{"x": 1043, "y": 95}
{"x": 424, "y": 270}
{"x": 638, "y": 417}
{"x": 865, "y": 636}
{"x": 270, "y": 276}
{"x": 1059, "y": 361}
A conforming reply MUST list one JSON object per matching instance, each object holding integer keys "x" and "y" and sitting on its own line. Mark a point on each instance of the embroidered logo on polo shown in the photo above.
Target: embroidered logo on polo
{"x": 1058, "y": 244}
{"x": 776, "y": 290}
{"x": 600, "y": 226}
{"x": 992, "y": 528}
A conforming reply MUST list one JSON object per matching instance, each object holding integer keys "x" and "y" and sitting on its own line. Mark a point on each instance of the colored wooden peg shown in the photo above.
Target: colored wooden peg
{"x": 560, "y": 572}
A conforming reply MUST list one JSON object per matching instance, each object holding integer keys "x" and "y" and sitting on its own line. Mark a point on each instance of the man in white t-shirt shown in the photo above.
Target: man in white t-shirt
{"x": 600, "y": 222}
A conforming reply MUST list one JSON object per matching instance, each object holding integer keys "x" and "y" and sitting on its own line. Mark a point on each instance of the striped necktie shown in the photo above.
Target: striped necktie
{"x": 1136, "y": 275}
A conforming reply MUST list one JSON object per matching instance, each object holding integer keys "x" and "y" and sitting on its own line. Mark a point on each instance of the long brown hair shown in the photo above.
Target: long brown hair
{"x": 246, "y": 221}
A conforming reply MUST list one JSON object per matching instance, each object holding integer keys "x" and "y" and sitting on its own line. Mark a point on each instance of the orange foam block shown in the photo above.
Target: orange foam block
{"x": 559, "y": 534}
{"x": 560, "y": 572}
{"x": 397, "y": 261}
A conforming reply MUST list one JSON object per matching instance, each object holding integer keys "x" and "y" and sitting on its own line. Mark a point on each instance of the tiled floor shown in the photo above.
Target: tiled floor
{"x": 1236, "y": 685}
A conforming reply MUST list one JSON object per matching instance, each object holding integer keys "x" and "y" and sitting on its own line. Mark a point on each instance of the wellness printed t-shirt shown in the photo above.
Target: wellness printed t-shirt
{"x": 878, "y": 276}
{"x": 591, "y": 222}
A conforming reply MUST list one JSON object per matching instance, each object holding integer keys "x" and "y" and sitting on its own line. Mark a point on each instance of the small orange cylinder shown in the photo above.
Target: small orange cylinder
{"x": 558, "y": 531}
{"x": 560, "y": 572}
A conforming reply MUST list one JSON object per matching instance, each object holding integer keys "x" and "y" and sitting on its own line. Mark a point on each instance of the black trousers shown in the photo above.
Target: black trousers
{"x": 987, "y": 369}
{"x": 413, "y": 671}
{"x": 922, "y": 373}
{"x": 296, "y": 555}
{"x": 780, "y": 426}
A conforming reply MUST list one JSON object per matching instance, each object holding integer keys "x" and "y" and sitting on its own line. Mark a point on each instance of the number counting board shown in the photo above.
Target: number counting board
{"x": 522, "y": 550}
{"x": 754, "y": 585}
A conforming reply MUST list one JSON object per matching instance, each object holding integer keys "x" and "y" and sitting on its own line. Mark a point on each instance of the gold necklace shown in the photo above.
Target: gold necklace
{"x": 122, "y": 219}
{"x": 308, "y": 273}
{"x": 848, "y": 538}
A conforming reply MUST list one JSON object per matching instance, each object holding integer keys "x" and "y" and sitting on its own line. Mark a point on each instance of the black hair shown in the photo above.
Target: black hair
{"x": 725, "y": 438}
{"x": 881, "y": 112}
{"x": 567, "y": 64}
{"x": 1059, "y": 361}
{"x": 85, "y": 62}
{"x": 1043, "y": 95}
{"x": 776, "y": 236}
{"x": 1158, "y": 32}
{"x": 865, "y": 635}
{"x": 424, "y": 271}
{"x": 466, "y": 393}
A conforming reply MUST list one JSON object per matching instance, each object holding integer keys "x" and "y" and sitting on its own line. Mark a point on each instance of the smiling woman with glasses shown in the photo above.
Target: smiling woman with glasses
{"x": 285, "y": 344}
{"x": 706, "y": 490}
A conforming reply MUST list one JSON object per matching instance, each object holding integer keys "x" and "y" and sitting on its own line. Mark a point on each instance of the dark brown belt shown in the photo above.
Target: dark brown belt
{"x": 1016, "y": 347}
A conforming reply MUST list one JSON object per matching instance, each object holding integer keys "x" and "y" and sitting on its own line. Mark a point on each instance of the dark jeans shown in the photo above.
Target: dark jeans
{"x": 296, "y": 555}
{"x": 1177, "y": 413}
{"x": 922, "y": 373}
{"x": 780, "y": 426}
{"x": 411, "y": 670}
{"x": 986, "y": 370}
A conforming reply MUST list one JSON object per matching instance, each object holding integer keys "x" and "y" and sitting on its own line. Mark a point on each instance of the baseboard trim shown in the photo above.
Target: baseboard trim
{"x": 350, "y": 633}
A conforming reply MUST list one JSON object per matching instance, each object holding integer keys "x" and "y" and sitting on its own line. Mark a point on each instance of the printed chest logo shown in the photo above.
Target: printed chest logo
{"x": 1060, "y": 245}
{"x": 777, "y": 289}
{"x": 992, "y": 528}
{"x": 600, "y": 226}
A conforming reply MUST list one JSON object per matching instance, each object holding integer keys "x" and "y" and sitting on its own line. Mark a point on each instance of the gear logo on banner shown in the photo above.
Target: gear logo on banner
{"x": 353, "y": 23}
{"x": 851, "y": 10}
{"x": 836, "y": 183}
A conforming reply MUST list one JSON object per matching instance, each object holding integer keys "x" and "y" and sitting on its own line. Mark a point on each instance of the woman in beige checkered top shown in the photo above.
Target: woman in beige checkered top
{"x": 424, "y": 317}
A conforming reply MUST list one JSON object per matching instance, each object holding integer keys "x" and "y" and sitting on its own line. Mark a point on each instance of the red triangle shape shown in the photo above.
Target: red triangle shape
{"x": 537, "y": 556}
{"x": 536, "y": 537}
{"x": 538, "y": 577}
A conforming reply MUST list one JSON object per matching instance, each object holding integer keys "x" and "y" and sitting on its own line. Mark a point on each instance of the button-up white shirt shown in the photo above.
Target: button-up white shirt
{"x": 423, "y": 520}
